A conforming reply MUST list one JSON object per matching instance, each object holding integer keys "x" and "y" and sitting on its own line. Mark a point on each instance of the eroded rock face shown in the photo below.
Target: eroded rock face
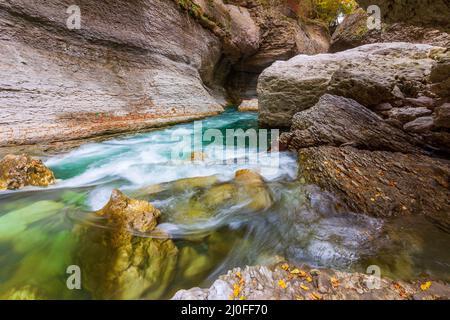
{"x": 338, "y": 121}
{"x": 372, "y": 74}
{"x": 249, "y": 105}
{"x": 285, "y": 282}
{"x": 381, "y": 183}
{"x": 19, "y": 171}
{"x": 131, "y": 66}
{"x": 433, "y": 13}
{"x": 281, "y": 36}
{"x": 119, "y": 265}
{"x": 353, "y": 32}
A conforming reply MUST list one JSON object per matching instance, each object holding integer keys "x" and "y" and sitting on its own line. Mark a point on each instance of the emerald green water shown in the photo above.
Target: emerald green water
{"x": 39, "y": 227}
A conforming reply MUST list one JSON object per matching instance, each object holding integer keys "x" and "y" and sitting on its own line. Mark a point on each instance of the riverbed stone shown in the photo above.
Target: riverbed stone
{"x": 120, "y": 265}
{"x": 18, "y": 171}
{"x": 291, "y": 282}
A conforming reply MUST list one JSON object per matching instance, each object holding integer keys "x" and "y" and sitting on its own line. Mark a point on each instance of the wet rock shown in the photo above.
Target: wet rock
{"x": 251, "y": 186}
{"x": 248, "y": 105}
{"x": 420, "y": 125}
{"x": 442, "y": 116}
{"x": 130, "y": 213}
{"x": 26, "y": 292}
{"x": 368, "y": 74}
{"x": 381, "y": 183}
{"x": 247, "y": 189}
{"x": 19, "y": 171}
{"x": 408, "y": 114}
{"x": 17, "y": 221}
{"x": 287, "y": 282}
{"x": 119, "y": 265}
{"x": 338, "y": 121}
{"x": 196, "y": 182}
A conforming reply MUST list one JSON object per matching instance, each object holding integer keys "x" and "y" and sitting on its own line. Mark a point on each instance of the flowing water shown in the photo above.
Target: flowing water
{"x": 39, "y": 236}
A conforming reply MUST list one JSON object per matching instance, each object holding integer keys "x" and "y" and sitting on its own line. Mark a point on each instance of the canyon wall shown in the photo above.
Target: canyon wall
{"x": 132, "y": 65}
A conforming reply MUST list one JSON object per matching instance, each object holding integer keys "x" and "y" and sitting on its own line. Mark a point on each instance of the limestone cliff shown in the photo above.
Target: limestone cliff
{"x": 131, "y": 65}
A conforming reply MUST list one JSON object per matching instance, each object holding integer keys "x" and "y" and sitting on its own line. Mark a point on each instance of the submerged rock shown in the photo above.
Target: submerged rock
{"x": 19, "y": 171}
{"x": 251, "y": 187}
{"x": 130, "y": 213}
{"x": 247, "y": 189}
{"x": 286, "y": 282}
{"x": 119, "y": 265}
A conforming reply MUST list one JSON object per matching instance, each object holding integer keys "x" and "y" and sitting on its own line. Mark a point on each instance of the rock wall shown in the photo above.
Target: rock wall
{"x": 132, "y": 65}
{"x": 282, "y": 35}
{"x": 353, "y": 32}
{"x": 135, "y": 64}
{"x": 428, "y": 13}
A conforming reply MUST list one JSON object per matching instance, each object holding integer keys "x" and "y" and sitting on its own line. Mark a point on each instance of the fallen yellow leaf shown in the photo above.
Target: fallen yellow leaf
{"x": 425, "y": 286}
{"x": 295, "y": 271}
{"x": 334, "y": 282}
{"x": 304, "y": 287}
{"x": 238, "y": 274}
{"x": 282, "y": 284}
{"x": 236, "y": 290}
{"x": 242, "y": 298}
{"x": 309, "y": 279}
{"x": 285, "y": 266}
{"x": 316, "y": 296}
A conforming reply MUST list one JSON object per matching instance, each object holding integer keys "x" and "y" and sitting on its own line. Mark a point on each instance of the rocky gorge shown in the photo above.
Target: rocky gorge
{"x": 362, "y": 171}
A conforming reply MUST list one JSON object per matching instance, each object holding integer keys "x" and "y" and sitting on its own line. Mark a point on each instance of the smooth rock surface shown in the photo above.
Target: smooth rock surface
{"x": 132, "y": 65}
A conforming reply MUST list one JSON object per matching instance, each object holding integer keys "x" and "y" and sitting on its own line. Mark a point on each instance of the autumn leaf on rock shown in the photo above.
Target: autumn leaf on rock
{"x": 425, "y": 286}
{"x": 282, "y": 284}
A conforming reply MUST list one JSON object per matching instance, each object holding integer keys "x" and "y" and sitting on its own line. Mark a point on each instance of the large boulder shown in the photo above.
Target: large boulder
{"x": 339, "y": 121}
{"x": 116, "y": 263}
{"x": 353, "y": 32}
{"x": 381, "y": 183}
{"x": 18, "y": 171}
{"x": 371, "y": 75}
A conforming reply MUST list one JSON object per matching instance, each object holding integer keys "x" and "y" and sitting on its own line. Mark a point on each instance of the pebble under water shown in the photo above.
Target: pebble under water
{"x": 39, "y": 227}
